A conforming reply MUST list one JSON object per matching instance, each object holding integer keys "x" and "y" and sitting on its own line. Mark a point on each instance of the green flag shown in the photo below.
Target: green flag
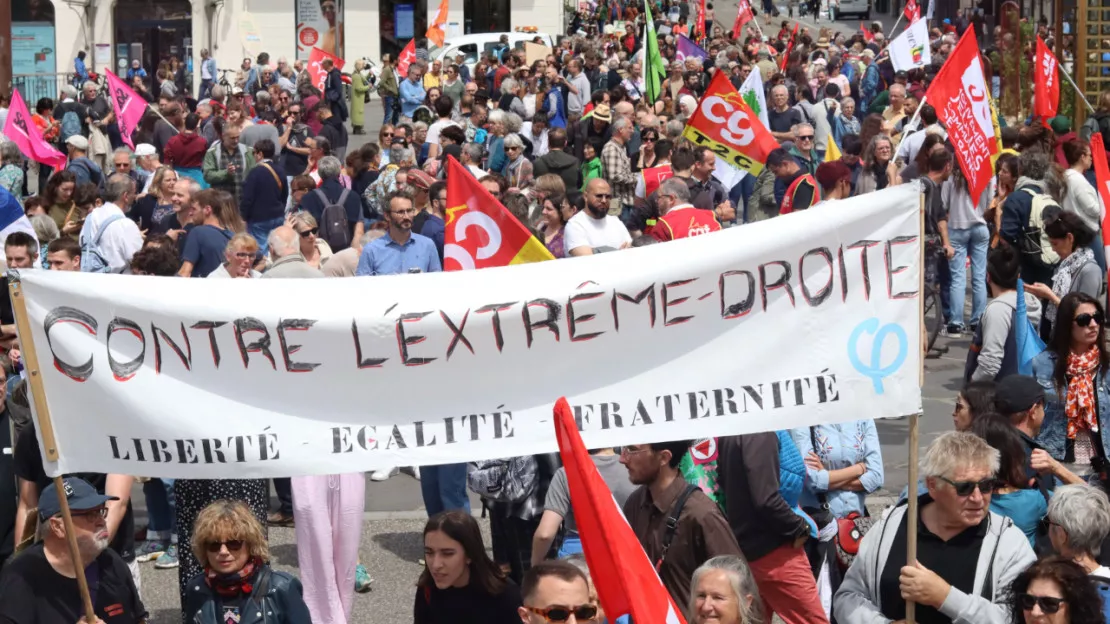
{"x": 655, "y": 70}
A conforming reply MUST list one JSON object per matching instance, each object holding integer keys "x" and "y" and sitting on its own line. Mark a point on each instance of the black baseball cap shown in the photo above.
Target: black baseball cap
{"x": 1017, "y": 393}
{"x": 78, "y": 492}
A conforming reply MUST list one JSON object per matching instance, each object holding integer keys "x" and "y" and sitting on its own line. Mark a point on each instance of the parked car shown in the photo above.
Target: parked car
{"x": 480, "y": 43}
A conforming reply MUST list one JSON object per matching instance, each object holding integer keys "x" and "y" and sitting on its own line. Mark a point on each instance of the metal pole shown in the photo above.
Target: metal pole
{"x": 46, "y": 430}
{"x": 895, "y": 27}
{"x": 1082, "y": 97}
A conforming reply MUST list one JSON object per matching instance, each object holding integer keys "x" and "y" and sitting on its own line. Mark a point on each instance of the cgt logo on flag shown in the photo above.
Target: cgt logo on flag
{"x": 726, "y": 124}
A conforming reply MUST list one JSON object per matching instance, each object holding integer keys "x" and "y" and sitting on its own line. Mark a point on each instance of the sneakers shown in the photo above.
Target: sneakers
{"x": 168, "y": 559}
{"x": 362, "y": 579}
{"x": 279, "y": 519}
{"x": 150, "y": 550}
{"x": 382, "y": 475}
{"x": 953, "y": 330}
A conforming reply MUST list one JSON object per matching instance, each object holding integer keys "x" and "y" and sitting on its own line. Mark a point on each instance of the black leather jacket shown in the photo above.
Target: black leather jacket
{"x": 276, "y": 599}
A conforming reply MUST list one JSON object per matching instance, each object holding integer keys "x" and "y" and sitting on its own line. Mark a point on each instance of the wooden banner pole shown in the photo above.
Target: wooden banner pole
{"x": 46, "y": 430}
{"x": 911, "y": 490}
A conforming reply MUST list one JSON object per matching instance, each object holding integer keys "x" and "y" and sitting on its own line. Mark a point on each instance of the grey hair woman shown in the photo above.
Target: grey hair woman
{"x": 1078, "y": 522}
{"x": 722, "y": 590}
{"x": 518, "y": 169}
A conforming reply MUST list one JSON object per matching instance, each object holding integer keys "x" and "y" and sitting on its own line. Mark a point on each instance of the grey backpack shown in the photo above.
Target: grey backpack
{"x": 335, "y": 229}
{"x": 508, "y": 480}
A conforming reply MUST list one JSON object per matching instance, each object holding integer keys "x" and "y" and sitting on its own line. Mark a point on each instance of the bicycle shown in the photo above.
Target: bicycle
{"x": 934, "y": 319}
{"x": 224, "y": 81}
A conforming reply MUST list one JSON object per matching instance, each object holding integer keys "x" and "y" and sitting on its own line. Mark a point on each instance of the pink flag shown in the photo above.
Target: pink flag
{"x": 21, "y": 130}
{"x": 127, "y": 105}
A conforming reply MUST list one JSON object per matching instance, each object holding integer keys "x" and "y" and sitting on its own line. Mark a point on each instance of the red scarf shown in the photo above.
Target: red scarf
{"x": 233, "y": 584}
{"x": 1080, "y": 405}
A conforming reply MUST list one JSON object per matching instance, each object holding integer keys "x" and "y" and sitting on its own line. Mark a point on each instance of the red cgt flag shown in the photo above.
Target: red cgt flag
{"x": 408, "y": 55}
{"x": 728, "y": 126}
{"x": 912, "y": 12}
{"x": 959, "y": 94}
{"x": 316, "y": 66}
{"x": 480, "y": 232}
{"x": 868, "y": 36}
{"x": 743, "y": 16}
{"x": 1046, "y": 84}
{"x": 789, "y": 47}
{"x": 626, "y": 581}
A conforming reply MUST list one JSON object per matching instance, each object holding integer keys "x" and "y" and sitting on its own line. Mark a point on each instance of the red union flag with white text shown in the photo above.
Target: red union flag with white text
{"x": 1046, "y": 84}
{"x": 725, "y": 124}
{"x": 959, "y": 94}
{"x": 408, "y": 55}
{"x": 316, "y": 66}
{"x": 743, "y": 16}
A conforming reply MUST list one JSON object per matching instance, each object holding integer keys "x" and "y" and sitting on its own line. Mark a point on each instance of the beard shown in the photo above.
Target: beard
{"x": 92, "y": 545}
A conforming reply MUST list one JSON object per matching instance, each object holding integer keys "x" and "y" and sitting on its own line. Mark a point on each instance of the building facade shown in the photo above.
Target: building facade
{"x": 48, "y": 34}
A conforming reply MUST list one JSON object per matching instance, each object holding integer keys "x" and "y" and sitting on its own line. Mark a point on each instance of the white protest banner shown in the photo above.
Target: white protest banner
{"x": 910, "y": 49}
{"x": 808, "y": 318}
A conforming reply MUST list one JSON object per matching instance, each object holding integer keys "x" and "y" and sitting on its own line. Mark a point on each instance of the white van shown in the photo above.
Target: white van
{"x": 840, "y": 8}
{"x": 480, "y": 43}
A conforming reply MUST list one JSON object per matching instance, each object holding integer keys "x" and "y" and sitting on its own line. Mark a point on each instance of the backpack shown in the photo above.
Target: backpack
{"x": 504, "y": 480}
{"x": 71, "y": 125}
{"x": 1033, "y": 243}
{"x": 92, "y": 257}
{"x": 335, "y": 229}
{"x": 1102, "y": 584}
{"x": 94, "y": 176}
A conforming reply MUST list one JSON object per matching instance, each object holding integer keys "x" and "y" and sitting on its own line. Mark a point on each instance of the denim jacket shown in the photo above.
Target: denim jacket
{"x": 1054, "y": 431}
{"x": 841, "y": 445}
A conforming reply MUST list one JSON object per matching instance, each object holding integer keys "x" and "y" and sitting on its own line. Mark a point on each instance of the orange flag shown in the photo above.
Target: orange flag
{"x": 480, "y": 232}
{"x": 626, "y": 581}
{"x": 435, "y": 31}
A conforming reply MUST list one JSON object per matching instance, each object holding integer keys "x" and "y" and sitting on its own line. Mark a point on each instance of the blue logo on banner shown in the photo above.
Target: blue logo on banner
{"x": 875, "y": 369}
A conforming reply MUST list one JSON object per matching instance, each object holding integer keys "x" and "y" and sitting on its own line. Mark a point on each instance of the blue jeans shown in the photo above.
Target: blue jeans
{"x": 161, "y": 508}
{"x": 261, "y": 229}
{"x": 392, "y": 109}
{"x": 972, "y": 242}
{"x": 444, "y": 488}
{"x": 205, "y": 88}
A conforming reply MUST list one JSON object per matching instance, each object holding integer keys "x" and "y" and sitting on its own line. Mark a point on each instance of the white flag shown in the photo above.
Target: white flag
{"x": 910, "y": 50}
{"x": 752, "y": 92}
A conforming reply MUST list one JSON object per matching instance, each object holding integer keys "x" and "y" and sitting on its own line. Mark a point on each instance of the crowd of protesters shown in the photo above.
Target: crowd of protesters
{"x": 258, "y": 182}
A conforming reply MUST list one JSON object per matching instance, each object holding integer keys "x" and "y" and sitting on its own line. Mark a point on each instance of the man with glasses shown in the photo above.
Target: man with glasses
{"x": 665, "y": 499}
{"x": 799, "y": 188}
{"x": 556, "y": 591}
{"x": 967, "y": 556}
{"x": 40, "y": 586}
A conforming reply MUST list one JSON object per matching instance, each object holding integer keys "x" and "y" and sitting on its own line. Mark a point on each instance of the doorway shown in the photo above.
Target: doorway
{"x": 153, "y": 32}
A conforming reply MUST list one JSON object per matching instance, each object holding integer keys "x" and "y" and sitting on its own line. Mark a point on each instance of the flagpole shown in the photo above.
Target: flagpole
{"x": 911, "y": 509}
{"x": 1082, "y": 96}
{"x": 895, "y": 27}
{"x": 46, "y": 432}
{"x": 916, "y": 117}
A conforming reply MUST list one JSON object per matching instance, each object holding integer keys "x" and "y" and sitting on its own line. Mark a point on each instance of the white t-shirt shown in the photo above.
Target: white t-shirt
{"x": 601, "y": 235}
{"x": 119, "y": 242}
{"x": 436, "y": 128}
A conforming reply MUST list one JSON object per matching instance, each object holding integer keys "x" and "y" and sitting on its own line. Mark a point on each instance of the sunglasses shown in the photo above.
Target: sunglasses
{"x": 232, "y": 546}
{"x": 1084, "y": 320}
{"x": 244, "y": 255}
{"x": 307, "y": 233}
{"x": 965, "y": 488}
{"x": 582, "y": 613}
{"x": 806, "y": 137}
{"x": 1049, "y": 604}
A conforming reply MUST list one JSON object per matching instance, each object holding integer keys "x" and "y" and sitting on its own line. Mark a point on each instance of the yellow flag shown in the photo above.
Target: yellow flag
{"x": 833, "y": 152}
{"x": 997, "y": 131}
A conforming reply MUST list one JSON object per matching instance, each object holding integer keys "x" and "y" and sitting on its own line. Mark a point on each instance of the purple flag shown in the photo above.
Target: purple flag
{"x": 687, "y": 49}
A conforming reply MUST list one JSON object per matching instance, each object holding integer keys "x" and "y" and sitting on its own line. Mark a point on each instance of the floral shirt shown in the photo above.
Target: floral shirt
{"x": 11, "y": 178}
{"x": 839, "y": 446}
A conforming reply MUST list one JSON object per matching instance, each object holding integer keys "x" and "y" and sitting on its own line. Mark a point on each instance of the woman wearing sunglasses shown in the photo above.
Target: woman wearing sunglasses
{"x": 315, "y": 250}
{"x": 1077, "y": 272}
{"x": 967, "y": 556}
{"x": 1012, "y": 496}
{"x": 237, "y": 581}
{"x": 1073, "y": 372}
{"x": 1055, "y": 591}
{"x": 460, "y": 583}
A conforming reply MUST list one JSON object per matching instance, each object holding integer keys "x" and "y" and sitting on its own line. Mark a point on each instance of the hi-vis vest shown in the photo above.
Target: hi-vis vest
{"x": 788, "y": 198}
{"x": 654, "y": 177}
{"x": 685, "y": 222}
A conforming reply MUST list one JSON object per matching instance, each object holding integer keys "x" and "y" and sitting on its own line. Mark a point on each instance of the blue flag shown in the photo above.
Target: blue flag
{"x": 1026, "y": 337}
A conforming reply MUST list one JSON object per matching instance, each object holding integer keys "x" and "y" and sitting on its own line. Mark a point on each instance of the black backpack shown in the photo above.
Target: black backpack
{"x": 335, "y": 229}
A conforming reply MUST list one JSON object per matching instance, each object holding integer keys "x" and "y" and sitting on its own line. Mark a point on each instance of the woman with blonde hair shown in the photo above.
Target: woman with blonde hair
{"x": 360, "y": 88}
{"x": 315, "y": 250}
{"x": 723, "y": 591}
{"x": 240, "y": 254}
{"x": 154, "y": 212}
{"x": 237, "y": 581}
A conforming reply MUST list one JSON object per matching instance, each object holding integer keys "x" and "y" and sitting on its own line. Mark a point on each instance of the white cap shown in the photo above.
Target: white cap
{"x": 79, "y": 142}
{"x": 145, "y": 149}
